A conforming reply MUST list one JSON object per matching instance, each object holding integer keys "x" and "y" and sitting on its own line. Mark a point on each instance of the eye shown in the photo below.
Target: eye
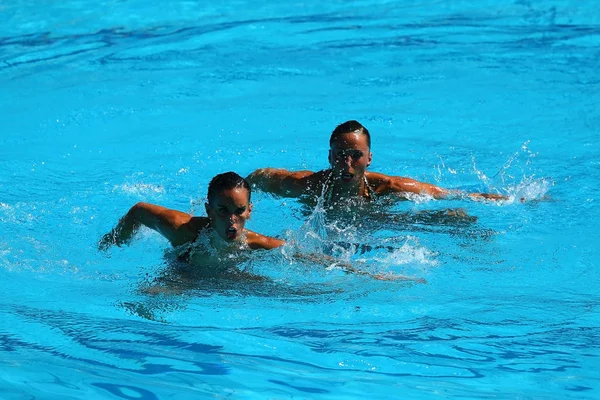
{"x": 240, "y": 211}
{"x": 356, "y": 154}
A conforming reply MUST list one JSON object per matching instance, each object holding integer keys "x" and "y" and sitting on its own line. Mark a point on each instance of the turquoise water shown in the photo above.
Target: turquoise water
{"x": 105, "y": 104}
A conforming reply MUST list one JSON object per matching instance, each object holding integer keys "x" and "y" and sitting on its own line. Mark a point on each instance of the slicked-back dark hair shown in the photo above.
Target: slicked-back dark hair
{"x": 347, "y": 127}
{"x": 227, "y": 181}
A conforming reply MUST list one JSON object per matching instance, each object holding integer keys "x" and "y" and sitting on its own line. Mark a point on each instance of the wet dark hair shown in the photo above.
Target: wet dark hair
{"x": 226, "y": 181}
{"x": 347, "y": 127}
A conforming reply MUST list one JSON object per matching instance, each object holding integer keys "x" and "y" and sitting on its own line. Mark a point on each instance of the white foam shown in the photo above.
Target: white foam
{"x": 418, "y": 198}
{"x": 516, "y": 178}
{"x": 530, "y": 188}
{"x": 139, "y": 188}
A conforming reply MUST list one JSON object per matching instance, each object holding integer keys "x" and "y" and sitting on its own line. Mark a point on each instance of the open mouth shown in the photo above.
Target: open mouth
{"x": 231, "y": 233}
{"x": 347, "y": 176}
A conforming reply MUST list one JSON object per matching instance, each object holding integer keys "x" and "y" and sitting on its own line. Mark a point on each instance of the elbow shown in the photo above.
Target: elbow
{"x": 262, "y": 172}
{"x": 135, "y": 210}
{"x": 138, "y": 214}
{"x": 259, "y": 177}
{"x": 251, "y": 179}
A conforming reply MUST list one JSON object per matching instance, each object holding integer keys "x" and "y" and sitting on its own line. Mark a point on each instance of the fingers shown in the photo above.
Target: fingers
{"x": 106, "y": 242}
{"x": 392, "y": 277}
{"x": 487, "y": 196}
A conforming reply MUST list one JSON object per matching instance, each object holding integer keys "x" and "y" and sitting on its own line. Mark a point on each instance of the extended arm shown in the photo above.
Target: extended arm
{"x": 178, "y": 227}
{"x": 398, "y": 184}
{"x": 280, "y": 181}
{"x": 331, "y": 262}
{"x": 257, "y": 241}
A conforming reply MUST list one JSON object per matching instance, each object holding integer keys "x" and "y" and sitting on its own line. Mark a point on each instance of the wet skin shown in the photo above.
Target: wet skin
{"x": 228, "y": 212}
{"x": 349, "y": 157}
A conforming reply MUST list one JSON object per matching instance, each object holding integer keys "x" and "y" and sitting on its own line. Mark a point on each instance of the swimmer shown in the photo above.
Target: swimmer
{"x": 216, "y": 242}
{"x": 208, "y": 239}
{"x": 347, "y": 177}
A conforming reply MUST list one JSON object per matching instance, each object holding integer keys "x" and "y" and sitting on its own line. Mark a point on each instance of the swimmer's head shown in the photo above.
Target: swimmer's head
{"x": 350, "y": 153}
{"x": 350, "y": 127}
{"x": 228, "y": 205}
{"x": 227, "y": 180}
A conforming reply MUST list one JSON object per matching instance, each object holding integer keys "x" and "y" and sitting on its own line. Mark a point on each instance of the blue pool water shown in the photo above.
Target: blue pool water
{"x": 104, "y": 104}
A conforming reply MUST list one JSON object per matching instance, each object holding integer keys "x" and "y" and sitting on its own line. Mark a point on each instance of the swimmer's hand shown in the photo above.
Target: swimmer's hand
{"x": 112, "y": 238}
{"x": 330, "y": 263}
{"x": 106, "y": 241}
{"x": 123, "y": 232}
{"x": 496, "y": 197}
{"x": 487, "y": 196}
{"x": 393, "y": 277}
{"x": 120, "y": 235}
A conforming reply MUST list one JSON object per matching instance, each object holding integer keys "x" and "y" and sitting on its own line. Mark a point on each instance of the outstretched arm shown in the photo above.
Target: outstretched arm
{"x": 178, "y": 227}
{"x": 279, "y": 181}
{"x": 257, "y": 241}
{"x": 398, "y": 184}
{"x": 331, "y": 262}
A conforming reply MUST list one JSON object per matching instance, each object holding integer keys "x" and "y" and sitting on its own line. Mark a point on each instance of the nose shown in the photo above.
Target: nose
{"x": 234, "y": 218}
{"x": 348, "y": 160}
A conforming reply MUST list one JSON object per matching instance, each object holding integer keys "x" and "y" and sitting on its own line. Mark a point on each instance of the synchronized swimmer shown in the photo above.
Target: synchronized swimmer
{"x": 211, "y": 243}
{"x": 347, "y": 177}
{"x": 207, "y": 242}
{"x": 228, "y": 208}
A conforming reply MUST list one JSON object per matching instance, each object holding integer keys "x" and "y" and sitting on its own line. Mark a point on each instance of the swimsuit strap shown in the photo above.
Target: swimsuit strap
{"x": 370, "y": 191}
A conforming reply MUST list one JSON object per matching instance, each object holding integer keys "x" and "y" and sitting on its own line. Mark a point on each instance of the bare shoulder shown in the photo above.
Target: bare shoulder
{"x": 278, "y": 173}
{"x": 197, "y": 224}
{"x": 257, "y": 241}
{"x": 305, "y": 174}
{"x": 383, "y": 184}
{"x": 297, "y": 177}
{"x": 280, "y": 181}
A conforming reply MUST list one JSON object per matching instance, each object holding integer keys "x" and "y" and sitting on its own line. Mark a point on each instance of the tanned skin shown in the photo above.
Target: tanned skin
{"x": 349, "y": 157}
{"x": 227, "y": 216}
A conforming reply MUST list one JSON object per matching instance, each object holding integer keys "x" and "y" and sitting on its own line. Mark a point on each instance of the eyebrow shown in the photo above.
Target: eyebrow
{"x": 350, "y": 151}
{"x": 221, "y": 206}
{"x": 348, "y": 148}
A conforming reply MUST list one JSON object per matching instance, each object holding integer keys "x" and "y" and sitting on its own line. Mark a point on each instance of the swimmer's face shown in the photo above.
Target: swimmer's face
{"x": 228, "y": 212}
{"x": 349, "y": 157}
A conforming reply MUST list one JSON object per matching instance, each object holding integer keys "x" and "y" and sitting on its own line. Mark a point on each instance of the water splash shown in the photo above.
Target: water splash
{"x": 518, "y": 162}
{"x": 530, "y": 188}
{"x": 313, "y": 233}
{"x": 343, "y": 241}
{"x": 410, "y": 255}
{"x": 139, "y": 188}
{"x": 518, "y": 179}
{"x": 480, "y": 174}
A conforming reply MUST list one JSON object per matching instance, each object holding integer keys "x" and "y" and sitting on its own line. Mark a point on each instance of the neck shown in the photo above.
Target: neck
{"x": 339, "y": 190}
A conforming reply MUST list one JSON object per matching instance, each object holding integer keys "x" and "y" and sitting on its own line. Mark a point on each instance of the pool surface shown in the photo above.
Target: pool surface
{"x": 104, "y": 104}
